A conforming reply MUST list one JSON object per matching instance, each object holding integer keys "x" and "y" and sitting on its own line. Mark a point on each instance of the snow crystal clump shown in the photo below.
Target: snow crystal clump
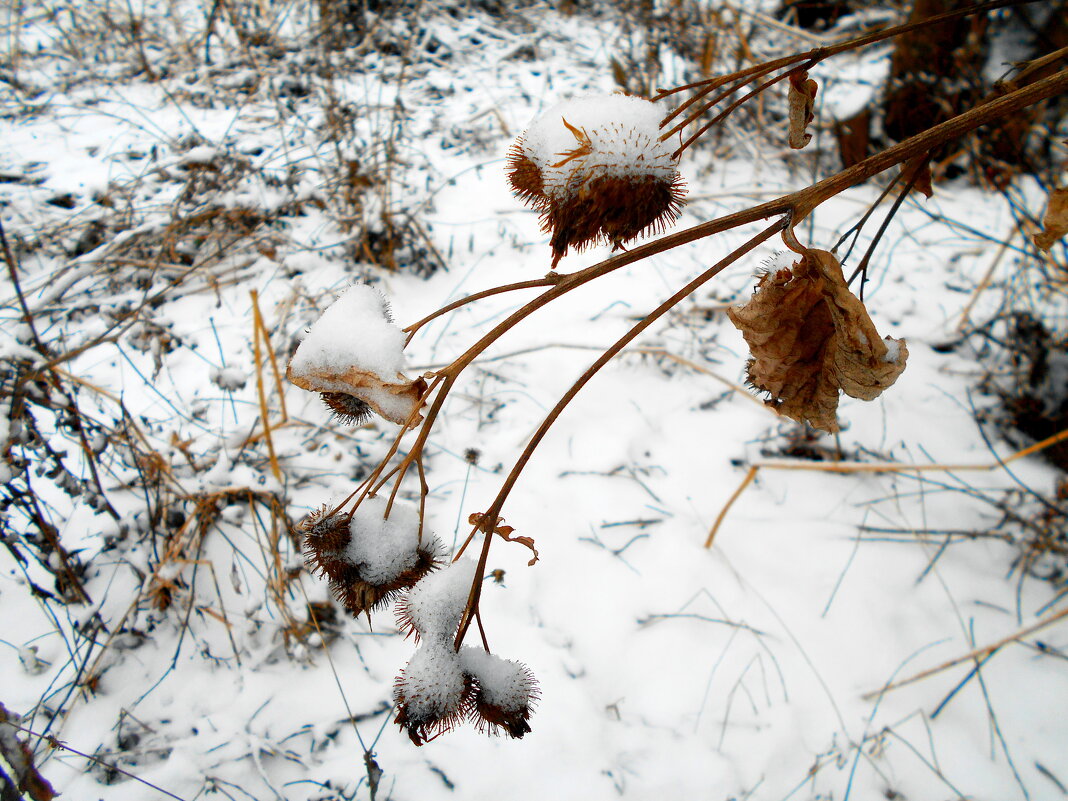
{"x": 383, "y": 548}
{"x": 431, "y": 692}
{"x": 433, "y": 607}
{"x": 354, "y": 331}
{"x": 624, "y": 142}
{"x": 505, "y": 684}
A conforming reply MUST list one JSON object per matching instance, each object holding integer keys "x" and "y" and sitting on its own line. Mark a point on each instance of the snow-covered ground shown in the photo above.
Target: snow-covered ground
{"x": 152, "y": 215}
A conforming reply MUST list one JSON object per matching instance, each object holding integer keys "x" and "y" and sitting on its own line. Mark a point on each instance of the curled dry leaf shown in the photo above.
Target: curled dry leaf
{"x": 482, "y": 522}
{"x": 917, "y": 172}
{"x": 810, "y": 337}
{"x": 1055, "y": 223}
{"x": 801, "y": 98}
{"x": 347, "y": 391}
{"x": 353, "y": 355}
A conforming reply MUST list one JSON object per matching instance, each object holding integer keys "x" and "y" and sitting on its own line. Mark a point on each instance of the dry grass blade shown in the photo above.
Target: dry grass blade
{"x": 972, "y": 656}
{"x": 848, "y": 467}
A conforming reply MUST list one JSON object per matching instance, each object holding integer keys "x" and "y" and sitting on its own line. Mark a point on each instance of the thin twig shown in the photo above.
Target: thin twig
{"x": 973, "y": 655}
{"x": 492, "y": 514}
{"x": 749, "y": 476}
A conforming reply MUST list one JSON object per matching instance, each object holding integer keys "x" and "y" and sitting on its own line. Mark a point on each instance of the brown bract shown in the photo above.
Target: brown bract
{"x": 810, "y": 338}
{"x": 610, "y": 209}
{"x": 524, "y": 176}
{"x": 801, "y": 98}
{"x": 1055, "y": 222}
{"x": 395, "y": 401}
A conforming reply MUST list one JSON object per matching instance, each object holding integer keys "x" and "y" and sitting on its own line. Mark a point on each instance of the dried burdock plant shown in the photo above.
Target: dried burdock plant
{"x": 811, "y": 339}
{"x": 1055, "y": 220}
{"x": 442, "y": 685}
{"x": 598, "y": 171}
{"x": 353, "y": 355}
{"x": 367, "y": 557}
{"x": 503, "y": 692}
{"x": 432, "y": 693}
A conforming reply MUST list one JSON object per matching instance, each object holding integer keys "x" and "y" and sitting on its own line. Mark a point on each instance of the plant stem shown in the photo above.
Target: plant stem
{"x": 492, "y": 514}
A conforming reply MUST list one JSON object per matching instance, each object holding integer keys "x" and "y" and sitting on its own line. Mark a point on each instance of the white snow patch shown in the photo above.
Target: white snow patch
{"x": 436, "y": 603}
{"x": 383, "y": 548}
{"x": 354, "y": 331}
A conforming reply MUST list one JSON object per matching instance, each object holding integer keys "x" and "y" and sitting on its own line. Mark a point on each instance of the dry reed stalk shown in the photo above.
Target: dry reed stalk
{"x": 984, "y": 282}
{"x": 257, "y": 322}
{"x": 846, "y": 467}
{"x": 257, "y": 332}
{"x": 974, "y": 655}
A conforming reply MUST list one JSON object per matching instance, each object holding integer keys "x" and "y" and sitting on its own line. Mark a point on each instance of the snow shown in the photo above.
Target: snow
{"x": 623, "y": 132}
{"x": 353, "y": 332}
{"x": 502, "y": 682}
{"x": 435, "y": 604}
{"x": 665, "y": 669}
{"x": 893, "y": 350}
{"x": 383, "y": 547}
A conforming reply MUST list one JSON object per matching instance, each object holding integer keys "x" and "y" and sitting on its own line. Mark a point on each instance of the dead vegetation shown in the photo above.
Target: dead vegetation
{"x": 196, "y": 495}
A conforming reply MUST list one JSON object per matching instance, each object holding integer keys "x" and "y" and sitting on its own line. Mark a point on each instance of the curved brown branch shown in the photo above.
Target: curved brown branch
{"x": 494, "y": 511}
{"x": 819, "y": 54}
{"x": 549, "y": 280}
{"x": 797, "y": 205}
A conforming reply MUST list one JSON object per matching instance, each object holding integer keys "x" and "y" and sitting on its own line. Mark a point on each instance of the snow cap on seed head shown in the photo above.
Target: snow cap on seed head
{"x": 597, "y": 170}
{"x": 432, "y": 608}
{"x": 432, "y": 693}
{"x": 354, "y": 356}
{"x": 369, "y": 558}
{"x": 503, "y": 692}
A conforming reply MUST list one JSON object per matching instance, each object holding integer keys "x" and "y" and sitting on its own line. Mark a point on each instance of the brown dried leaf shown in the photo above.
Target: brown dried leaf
{"x": 811, "y": 337}
{"x": 482, "y": 522}
{"x": 801, "y": 98}
{"x": 917, "y": 170}
{"x": 1055, "y": 223}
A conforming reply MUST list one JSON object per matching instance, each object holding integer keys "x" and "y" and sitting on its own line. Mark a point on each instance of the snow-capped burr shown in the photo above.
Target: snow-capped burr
{"x": 368, "y": 557}
{"x": 353, "y": 355}
{"x": 598, "y": 171}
